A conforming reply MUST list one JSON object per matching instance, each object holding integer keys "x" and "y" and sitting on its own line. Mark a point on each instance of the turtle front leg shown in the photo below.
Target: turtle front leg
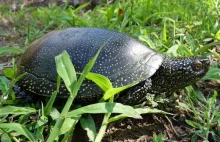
{"x": 136, "y": 94}
{"x": 21, "y": 95}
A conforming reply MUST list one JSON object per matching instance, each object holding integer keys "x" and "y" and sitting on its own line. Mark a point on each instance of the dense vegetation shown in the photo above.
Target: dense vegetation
{"x": 174, "y": 27}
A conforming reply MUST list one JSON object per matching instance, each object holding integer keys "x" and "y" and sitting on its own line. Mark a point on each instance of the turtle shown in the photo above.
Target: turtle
{"x": 123, "y": 60}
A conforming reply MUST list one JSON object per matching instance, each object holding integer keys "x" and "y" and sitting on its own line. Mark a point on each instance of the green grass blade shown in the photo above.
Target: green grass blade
{"x": 11, "y": 50}
{"x": 49, "y": 105}
{"x": 20, "y": 76}
{"x": 19, "y": 129}
{"x": 105, "y": 107}
{"x": 66, "y": 70}
{"x": 16, "y": 110}
{"x": 192, "y": 123}
{"x": 212, "y": 100}
{"x": 112, "y": 91}
{"x": 51, "y": 101}
{"x": 139, "y": 111}
{"x": 164, "y": 35}
{"x": 190, "y": 41}
{"x": 150, "y": 110}
{"x": 103, "y": 82}
{"x": 212, "y": 74}
{"x": 147, "y": 40}
{"x": 206, "y": 47}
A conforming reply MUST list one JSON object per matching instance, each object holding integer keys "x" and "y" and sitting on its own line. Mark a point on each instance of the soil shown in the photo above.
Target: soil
{"x": 173, "y": 128}
{"x": 142, "y": 130}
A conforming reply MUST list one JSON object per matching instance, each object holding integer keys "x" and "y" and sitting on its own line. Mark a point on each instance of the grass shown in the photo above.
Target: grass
{"x": 176, "y": 28}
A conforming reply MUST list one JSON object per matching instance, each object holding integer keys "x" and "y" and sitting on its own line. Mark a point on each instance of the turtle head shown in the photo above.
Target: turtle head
{"x": 176, "y": 73}
{"x": 189, "y": 69}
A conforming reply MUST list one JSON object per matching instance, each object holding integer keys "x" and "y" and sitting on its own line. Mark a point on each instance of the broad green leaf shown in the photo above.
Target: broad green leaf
{"x": 158, "y": 138}
{"x": 5, "y": 138}
{"x": 102, "y": 81}
{"x": 18, "y": 128}
{"x": 67, "y": 125}
{"x": 4, "y": 82}
{"x": 88, "y": 124}
{"x": 105, "y": 107}
{"x": 8, "y": 72}
{"x": 66, "y": 70}
{"x": 71, "y": 130}
{"x": 16, "y": 110}
{"x": 11, "y": 72}
{"x": 54, "y": 113}
{"x": 10, "y": 50}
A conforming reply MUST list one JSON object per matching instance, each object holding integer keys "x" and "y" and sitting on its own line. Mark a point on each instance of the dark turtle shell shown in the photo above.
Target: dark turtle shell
{"x": 123, "y": 59}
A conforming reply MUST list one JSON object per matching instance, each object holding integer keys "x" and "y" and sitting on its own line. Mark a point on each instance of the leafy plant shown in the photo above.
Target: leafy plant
{"x": 204, "y": 115}
{"x": 65, "y": 70}
{"x": 158, "y": 138}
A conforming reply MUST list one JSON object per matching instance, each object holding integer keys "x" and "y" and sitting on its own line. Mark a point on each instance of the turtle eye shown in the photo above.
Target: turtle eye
{"x": 197, "y": 66}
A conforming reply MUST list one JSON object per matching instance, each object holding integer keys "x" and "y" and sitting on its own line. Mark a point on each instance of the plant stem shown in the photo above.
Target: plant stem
{"x": 103, "y": 128}
{"x": 60, "y": 120}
